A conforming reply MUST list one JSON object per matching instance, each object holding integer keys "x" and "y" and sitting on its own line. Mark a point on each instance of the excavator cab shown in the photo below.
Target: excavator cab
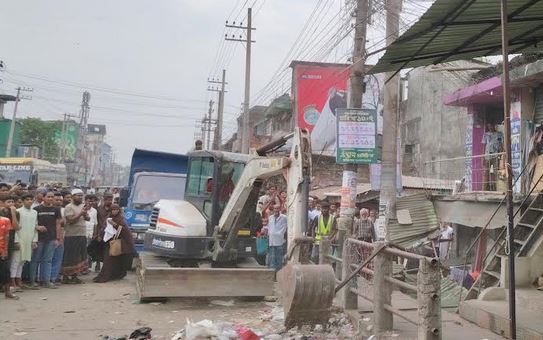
{"x": 212, "y": 178}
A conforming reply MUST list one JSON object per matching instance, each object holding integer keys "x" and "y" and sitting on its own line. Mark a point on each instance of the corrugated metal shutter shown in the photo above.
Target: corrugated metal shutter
{"x": 538, "y": 114}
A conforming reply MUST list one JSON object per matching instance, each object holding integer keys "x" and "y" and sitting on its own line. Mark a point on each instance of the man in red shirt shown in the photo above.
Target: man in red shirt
{"x": 5, "y": 227}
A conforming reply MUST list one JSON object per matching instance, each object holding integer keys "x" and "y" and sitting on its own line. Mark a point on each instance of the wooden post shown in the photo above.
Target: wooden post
{"x": 349, "y": 300}
{"x": 382, "y": 292}
{"x": 429, "y": 300}
{"x": 325, "y": 249}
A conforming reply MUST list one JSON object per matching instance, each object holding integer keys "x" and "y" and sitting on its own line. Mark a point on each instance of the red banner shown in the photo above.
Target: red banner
{"x": 320, "y": 88}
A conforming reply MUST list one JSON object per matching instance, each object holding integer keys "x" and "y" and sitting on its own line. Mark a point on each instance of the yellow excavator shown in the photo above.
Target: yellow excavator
{"x": 203, "y": 245}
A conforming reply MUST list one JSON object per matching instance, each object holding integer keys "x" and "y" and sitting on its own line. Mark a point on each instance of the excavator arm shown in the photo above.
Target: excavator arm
{"x": 296, "y": 167}
{"x": 307, "y": 290}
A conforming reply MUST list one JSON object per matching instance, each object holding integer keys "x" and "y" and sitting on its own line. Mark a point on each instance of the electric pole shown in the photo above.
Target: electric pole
{"x": 389, "y": 158}
{"x": 350, "y": 171}
{"x": 14, "y": 118}
{"x": 62, "y": 140}
{"x": 217, "y": 137}
{"x": 82, "y": 140}
{"x": 245, "y": 118}
{"x": 206, "y": 126}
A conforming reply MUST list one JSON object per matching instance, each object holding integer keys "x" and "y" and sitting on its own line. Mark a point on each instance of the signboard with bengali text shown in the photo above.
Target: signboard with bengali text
{"x": 356, "y": 131}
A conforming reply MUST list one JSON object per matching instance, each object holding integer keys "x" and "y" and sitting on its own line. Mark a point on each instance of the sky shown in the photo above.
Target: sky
{"x": 146, "y": 63}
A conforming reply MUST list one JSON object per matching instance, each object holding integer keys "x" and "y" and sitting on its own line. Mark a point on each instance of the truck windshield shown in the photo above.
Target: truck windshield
{"x": 150, "y": 189}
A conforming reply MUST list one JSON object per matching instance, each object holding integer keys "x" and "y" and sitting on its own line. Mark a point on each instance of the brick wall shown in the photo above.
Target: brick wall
{"x": 327, "y": 173}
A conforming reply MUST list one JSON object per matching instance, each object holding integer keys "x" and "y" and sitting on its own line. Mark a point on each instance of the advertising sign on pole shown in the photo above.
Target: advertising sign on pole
{"x": 356, "y": 132}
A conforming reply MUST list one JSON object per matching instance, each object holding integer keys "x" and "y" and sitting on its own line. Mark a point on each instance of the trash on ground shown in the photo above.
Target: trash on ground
{"x": 142, "y": 333}
{"x": 222, "y": 303}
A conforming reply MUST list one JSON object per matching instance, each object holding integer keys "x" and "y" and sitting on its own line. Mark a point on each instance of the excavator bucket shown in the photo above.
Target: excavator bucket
{"x": 307, "y": 292}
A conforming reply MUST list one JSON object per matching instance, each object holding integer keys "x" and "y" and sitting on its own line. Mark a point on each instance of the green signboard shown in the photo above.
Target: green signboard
{"x": 70, "y": 140}
{"x": 356, "y": 133}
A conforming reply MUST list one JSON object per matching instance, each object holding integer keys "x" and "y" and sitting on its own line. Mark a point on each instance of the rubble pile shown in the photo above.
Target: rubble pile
{"x": 269, "y": 324}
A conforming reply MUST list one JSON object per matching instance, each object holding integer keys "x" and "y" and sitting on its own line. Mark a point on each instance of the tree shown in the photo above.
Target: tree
{"x": 42, "y": 134}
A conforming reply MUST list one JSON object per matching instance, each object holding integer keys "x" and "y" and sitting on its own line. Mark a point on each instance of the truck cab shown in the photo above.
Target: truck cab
{"x": 154, "y": 175}
{"x": 148, "y": 189}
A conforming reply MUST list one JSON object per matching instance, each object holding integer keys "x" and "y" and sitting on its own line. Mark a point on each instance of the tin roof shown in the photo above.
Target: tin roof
{"x": 423, "y": 217}
{"x": 459, "y": 29}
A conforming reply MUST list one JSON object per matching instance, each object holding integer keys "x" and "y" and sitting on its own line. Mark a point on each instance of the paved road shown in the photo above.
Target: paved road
{"x": 90, "y": 310}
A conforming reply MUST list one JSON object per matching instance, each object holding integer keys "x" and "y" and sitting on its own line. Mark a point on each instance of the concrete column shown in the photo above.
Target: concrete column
{"x": 382, "y": 291}
{"x": 349, "y": 300}
{"x": 429, "y": 300}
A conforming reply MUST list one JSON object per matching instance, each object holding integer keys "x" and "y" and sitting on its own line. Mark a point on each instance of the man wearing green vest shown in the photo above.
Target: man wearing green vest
{"x": 326, "y": 226}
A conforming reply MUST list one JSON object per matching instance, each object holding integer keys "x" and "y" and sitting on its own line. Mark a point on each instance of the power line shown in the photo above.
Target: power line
{"x": 94, "y": 88}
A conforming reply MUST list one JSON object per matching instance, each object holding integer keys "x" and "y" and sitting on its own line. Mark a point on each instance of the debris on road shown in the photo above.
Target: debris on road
{"x": 268, "y": 325}
{"x": 142, "y": 333}
{"x": 222, "y": 303}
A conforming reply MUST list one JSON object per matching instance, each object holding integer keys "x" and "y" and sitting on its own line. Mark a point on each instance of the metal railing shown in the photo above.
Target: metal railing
{"x": 366, "y": 272}
{"x": 499, "y": 239}
{"x": 479, "y": 173}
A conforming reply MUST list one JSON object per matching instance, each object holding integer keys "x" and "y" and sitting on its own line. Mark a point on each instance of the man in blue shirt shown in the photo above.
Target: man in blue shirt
{"x": 277, "y": 227}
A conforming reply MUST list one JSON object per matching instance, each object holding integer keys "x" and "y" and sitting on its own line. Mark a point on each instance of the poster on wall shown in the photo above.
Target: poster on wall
{"x": 320, "y": 89}
{"x": 516, "y": 154}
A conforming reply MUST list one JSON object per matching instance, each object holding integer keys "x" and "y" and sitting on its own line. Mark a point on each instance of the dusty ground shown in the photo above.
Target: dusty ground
{"x": 92, "y": 310}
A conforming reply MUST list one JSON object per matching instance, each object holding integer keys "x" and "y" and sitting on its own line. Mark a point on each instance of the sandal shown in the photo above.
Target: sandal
{"x": 12, "y": 296}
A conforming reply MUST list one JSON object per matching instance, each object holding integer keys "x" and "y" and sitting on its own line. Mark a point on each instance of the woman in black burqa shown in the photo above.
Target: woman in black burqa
{"x": 115, "y": 267}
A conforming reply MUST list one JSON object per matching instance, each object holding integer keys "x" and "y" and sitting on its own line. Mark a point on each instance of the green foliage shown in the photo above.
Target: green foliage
{"x": 40, "y": 133}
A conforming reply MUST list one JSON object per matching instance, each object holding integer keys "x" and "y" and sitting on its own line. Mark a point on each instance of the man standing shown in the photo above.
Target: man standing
{"x": 364, "y": 229}
{"x": 75, "y": 240}
{"x": 49, "y": 220}
{"x": 26, "y": 239}
{"x": 277, "y": 227}
{"x": 58, "y": 255}
{"x": 103, "y": 211}
{"x": 40, "y": 194}
{"x": 92, "y": 223}
{"x": 5, "y": 227}
{"x": 326, "y": 226}
{"x": 66, "y": 198}
{"x": 445, "y": 240}
{"x": 493, "y": 141}
{"x": 312, "y": 216}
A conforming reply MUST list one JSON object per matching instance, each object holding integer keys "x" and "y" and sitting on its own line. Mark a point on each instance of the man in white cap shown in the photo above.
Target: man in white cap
{"x": 75, "y": 241}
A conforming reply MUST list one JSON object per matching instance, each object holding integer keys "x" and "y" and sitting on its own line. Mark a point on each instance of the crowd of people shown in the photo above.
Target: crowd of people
{"x": 50, "y": 236}
{"x": 322, "y": 219}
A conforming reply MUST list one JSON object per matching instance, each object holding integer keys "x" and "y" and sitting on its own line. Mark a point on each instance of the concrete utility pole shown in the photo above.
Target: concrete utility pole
{"x": 350, "y": 171}
{"x": 389, "y": 157}
{"x": 245, "y": 118}
{"x": 62, "y": 140}
{"x": 207, "y": 122}
{"x": 82, "y": 140}
{"x": 509, "y": 171}
{"x": 217, "y": 137}
{"x": 14, "y": 118}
